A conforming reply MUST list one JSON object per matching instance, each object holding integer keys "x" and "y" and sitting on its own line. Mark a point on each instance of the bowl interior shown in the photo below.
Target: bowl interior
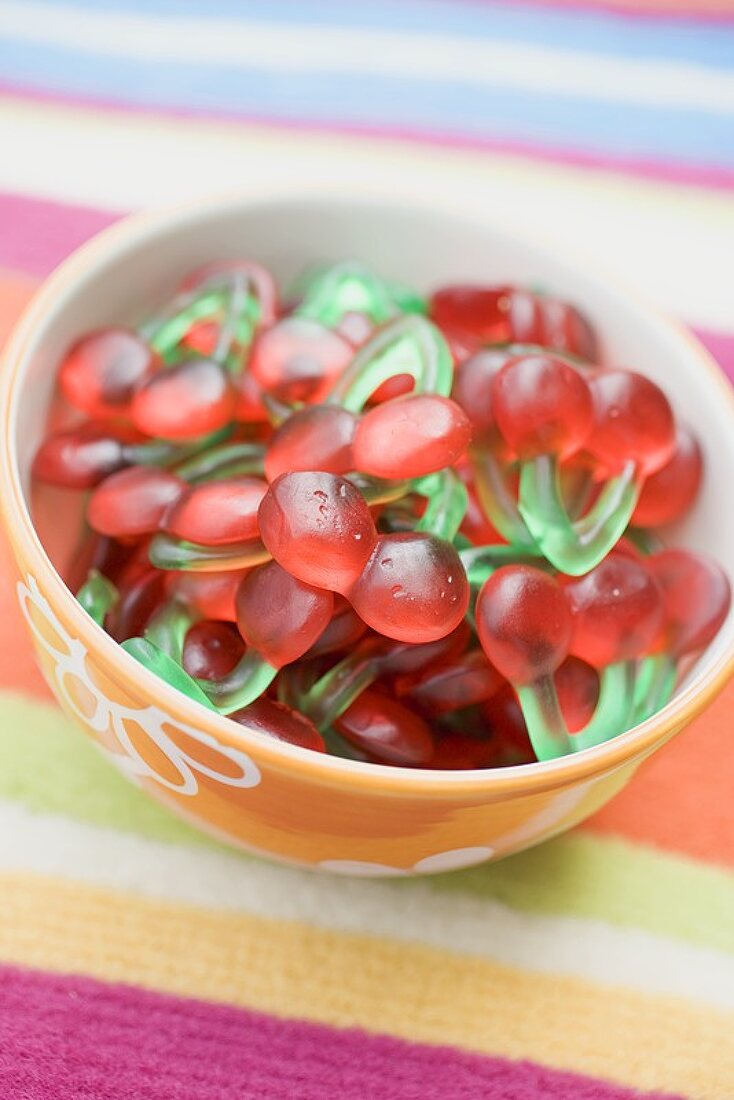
{"x": 120, "y": 279}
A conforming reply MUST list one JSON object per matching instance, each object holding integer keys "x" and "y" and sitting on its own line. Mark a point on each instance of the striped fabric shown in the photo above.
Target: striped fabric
{"x": 140, "y": 959}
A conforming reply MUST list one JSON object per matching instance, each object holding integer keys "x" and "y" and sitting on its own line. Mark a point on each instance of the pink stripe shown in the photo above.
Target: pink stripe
{"x": 36, "y": 235}
{"x": 62, "y": 1038}
{"x": 721, "y": 346}
{"x": 722, "y": 12}
{"x": 669, "y": 171}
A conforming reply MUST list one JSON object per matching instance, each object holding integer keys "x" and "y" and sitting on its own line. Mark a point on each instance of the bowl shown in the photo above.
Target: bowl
{"x": 272, "y": 798}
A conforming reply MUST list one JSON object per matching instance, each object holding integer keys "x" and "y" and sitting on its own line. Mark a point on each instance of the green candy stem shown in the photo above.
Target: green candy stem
{"x": 97, "y": 596}
{"x": 337, "y": 689}
{"x": 250, "y": 677}
{"x": 480, "y": 562}
{"x": 543, "y": 717}
{"x": 168, "y": 627}
{"x": 447, "y": 503}
{"x": 574, "y": 547}
{"x": 166, "y": 552}
{"x": 376, "y": 491}
{"x": 164, "y": 666}
{"x": 497, "y": 500}
{"x": 218, "y": 462}
{"x": 159, "y": 452}
{"x": 655, "y": 685}
{"x": 409, "y": 345}
{"x": 165, "y": 332}
{"x": 614, "y": 708}
{"x": 547, "y": 727}
{"x": 347, "y": 287}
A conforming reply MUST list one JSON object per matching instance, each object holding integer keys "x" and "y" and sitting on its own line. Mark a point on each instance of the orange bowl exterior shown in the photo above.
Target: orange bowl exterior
{"x": 274, "y": 799}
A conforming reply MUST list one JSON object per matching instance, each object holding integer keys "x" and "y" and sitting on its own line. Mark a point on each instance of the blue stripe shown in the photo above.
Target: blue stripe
{"x": 688, "y": 136}
{"x": 599, "y": 32}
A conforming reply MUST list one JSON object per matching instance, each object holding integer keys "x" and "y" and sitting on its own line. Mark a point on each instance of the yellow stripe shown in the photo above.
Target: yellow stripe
{"x": 419, "y": 993}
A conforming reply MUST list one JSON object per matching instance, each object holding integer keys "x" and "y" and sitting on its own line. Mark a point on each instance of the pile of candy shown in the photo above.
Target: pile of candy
{"x": 405, "y": 531}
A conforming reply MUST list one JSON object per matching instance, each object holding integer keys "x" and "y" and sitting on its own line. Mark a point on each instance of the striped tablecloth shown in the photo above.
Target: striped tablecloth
{"x": 140, "y": 960}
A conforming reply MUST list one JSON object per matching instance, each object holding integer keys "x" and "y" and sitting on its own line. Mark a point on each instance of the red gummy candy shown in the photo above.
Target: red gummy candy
{"x": 473, "y": 385}
{"x": 343, "y": 631}
{"x": 577, "y": 684}
{"x": 140, "y": 597}
{"x": 299, "y": 359}
{"x": 386, "y": 730}
{"x": 102, "y": 371}
{"x": 411, "y": 436}
{"x": 133, "y": 502}
{"x": 280, "y": 616}
{"x": 280, "y": 722}
{"x": 463, "y": 682}
{"x": 212, "y": 649}
{"x": 632, "y": 421}
{"x": 212, "y": 595}
{"x": 617, "y": 611}
{"x": 542, "y": 405}
{"x": 669, "y": 493}
{"x": 318, "y": 437}
{"x": 218, "y": 512}
{"x": 524, "y": 623}
{"x": 186, "y": 401}
{"x": 80, "y": 458}
{"x": 413, "y": 588}
{"x": 318, "y": 527}
{"x": 697, "y": 597}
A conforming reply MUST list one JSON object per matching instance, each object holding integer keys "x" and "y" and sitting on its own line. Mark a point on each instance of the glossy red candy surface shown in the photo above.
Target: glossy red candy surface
{"x": 406, "y": 658}
{"x": 524, "y": 623}
{"x": 345, "y": 629}
{"x": 80, "y": 458}
{"x": 317, "y": 437}
{"x": 463, "y": 682}
{"x": 218, "y": 512}
{"x": 140, "y": 596}
{"x": 212, "y": 595}
{"x": 299, "y": 359}
{"x": 102, "y": 371}
{"x": 632, "y": 421}
{"x": 212, "y": 649}
{"x": 411, "y": 436}
{"x": 542, "y": 405}
{"x": 133, "y": 502}
{"x": 413, "y": 588}
{"x": 617, "y": 611}
{"x": 276, "y": 720}
{"x": 386, "y": 730}
{"x": 669, "y": 493}
{"x": 473, "y": 385}
{"x": 697, "y": 598}
{"x": 577, "y": 684}
{"x": 318, "y": 526}
{"x": 280, "y": 616}
{"x": 186, "y": 401}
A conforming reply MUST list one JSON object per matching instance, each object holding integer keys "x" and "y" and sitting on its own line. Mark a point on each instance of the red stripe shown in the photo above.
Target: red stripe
{"x": 668, "y": 171}
{"x": 708, "y": 11}
{"x": 67, "y": 1038}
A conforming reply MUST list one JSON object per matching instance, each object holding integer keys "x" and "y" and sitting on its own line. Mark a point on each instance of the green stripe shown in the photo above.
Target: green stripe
{"x": 47, "y": 765}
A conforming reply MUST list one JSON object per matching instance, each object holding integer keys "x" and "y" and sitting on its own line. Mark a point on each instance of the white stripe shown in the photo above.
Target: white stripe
{"x": 588, "y": 949}
{"x": 405, "y": 54}
{"x": 673, "y": 243}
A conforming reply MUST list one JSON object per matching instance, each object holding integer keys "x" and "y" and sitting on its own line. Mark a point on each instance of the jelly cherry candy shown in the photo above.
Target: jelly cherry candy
{"x": 186, "y": 401}
{"x": 696, "y": 596}
{"x": 141, "y": 593}
{"x": 505, "y": 315}
{"x": 542, "y": 406}
{"x": 318, "y": 437}
{"x": 670, "y": 491}
{"x": 298, "y": 359}
{"x": 318, "y": 527}
{"x": 102, "y": 371}
{"x": 212, "y": 649}
{"x": 258, "y": 280}
{"x": 133, "y": 502}
{"x": 473, "y": 385}
{"x": 211, "y": 595}
{"x": 343, "y": 631}
{"x": 524, "y": 623}
{"x": 249, "y": 405}
{"x": 387, "y": 731}
{"x": 506, "y": 723}
{"x": 276, "y": 720}
{"x": 217, "y": 512}
{"x": 617, "y": 611}
{"x": 411, "y": 436}
{"x": 577, "y": 684}
{"x": 413, "y": 588}
{"x": 463, "y": 682}
{"x": 279, "y": 616}
{"x": 406, "y": 658}
{"x": 633, "y": 422}
{"x": 464, "y": 752}
{"x": 80, "y": 458}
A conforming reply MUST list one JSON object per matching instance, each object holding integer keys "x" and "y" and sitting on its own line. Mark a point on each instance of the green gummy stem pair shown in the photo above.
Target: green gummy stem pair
{"x": 167, "y": 552}
{"x": 327, "y": 294}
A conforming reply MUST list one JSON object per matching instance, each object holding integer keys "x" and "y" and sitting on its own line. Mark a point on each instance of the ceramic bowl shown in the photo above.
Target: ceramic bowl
{"x": 272, "y": 798}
